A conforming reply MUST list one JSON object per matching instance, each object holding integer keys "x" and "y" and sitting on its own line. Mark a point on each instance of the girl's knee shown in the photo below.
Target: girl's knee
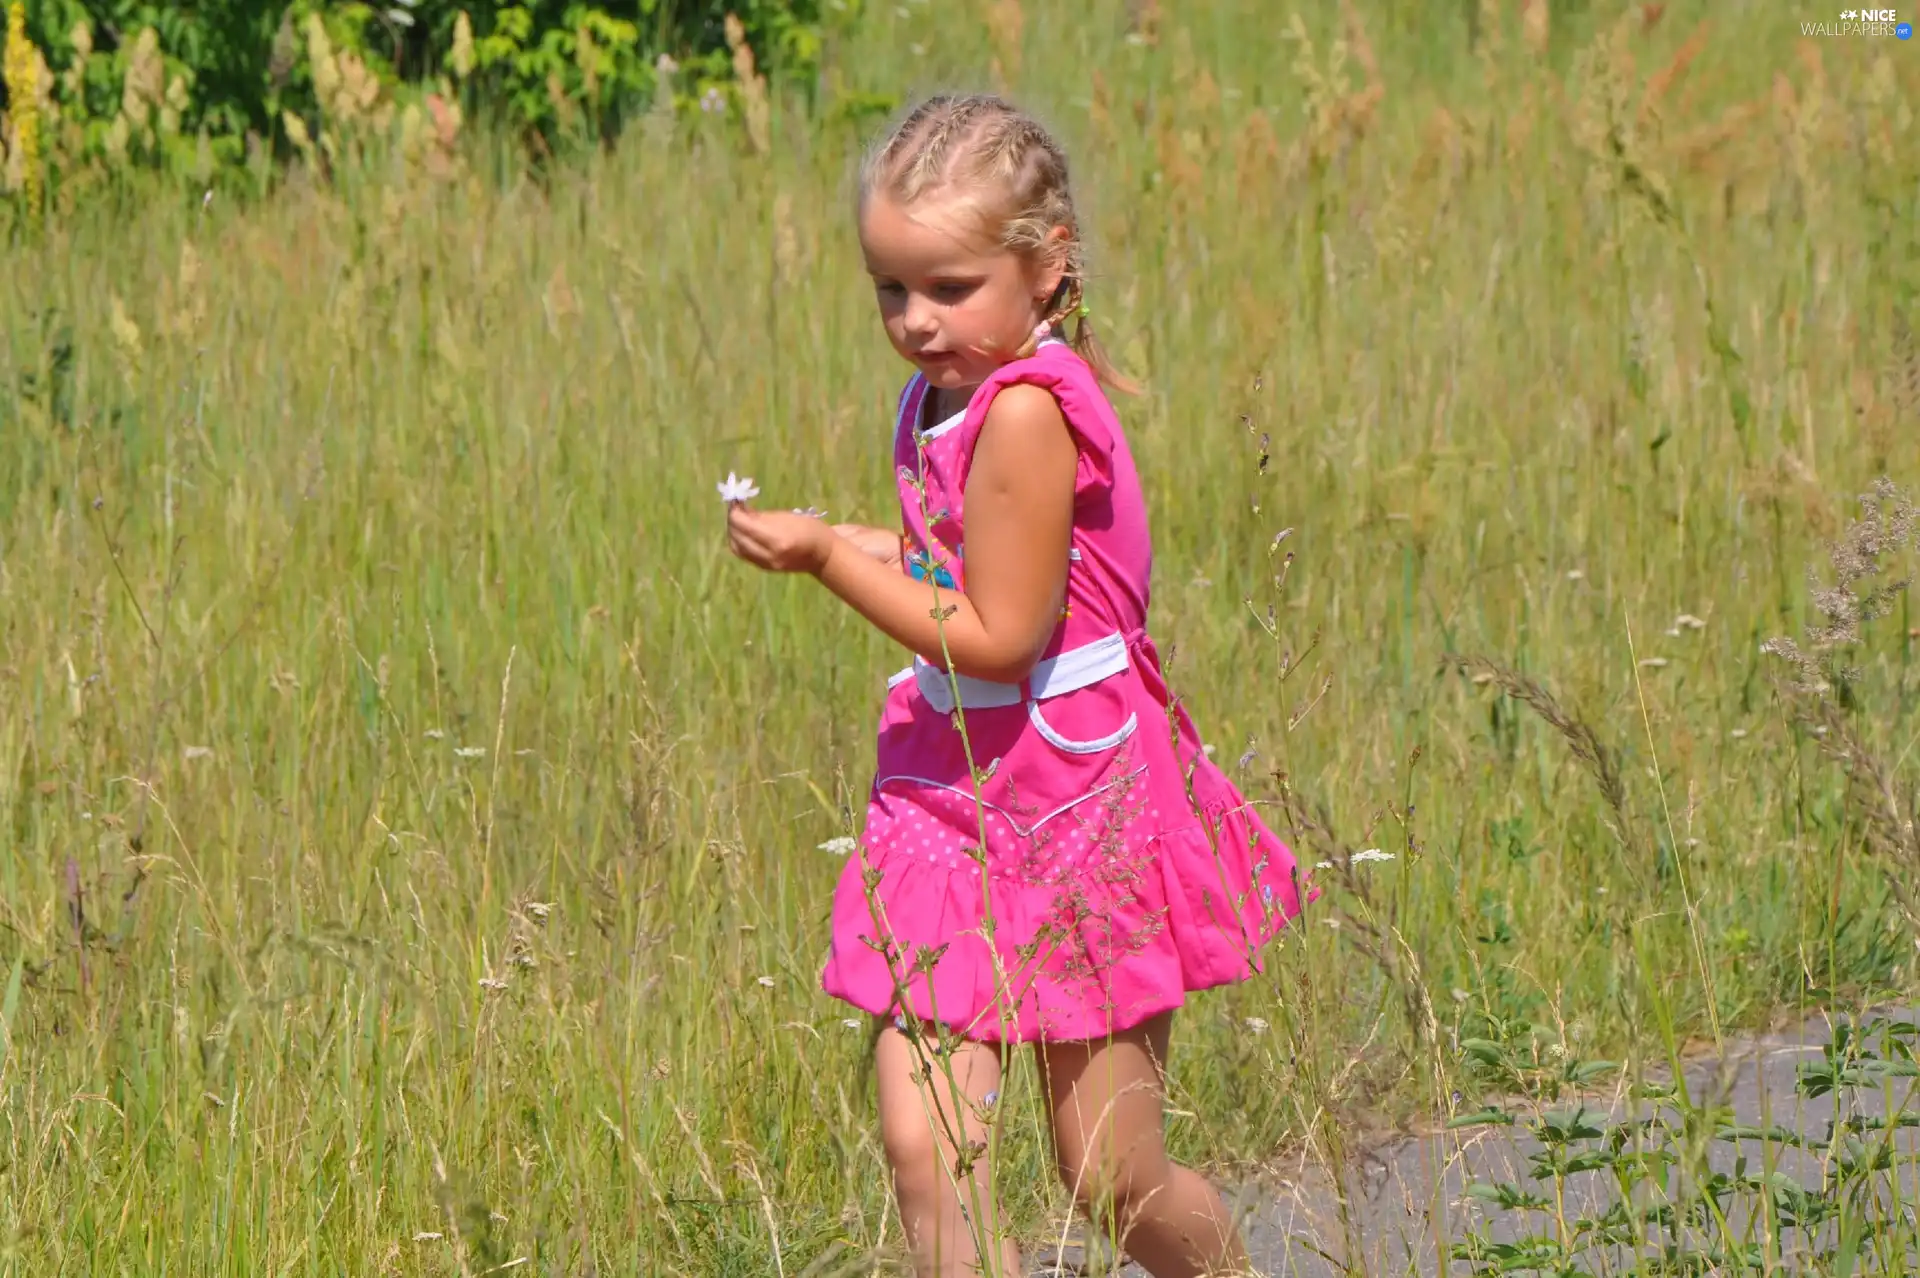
{"x": 1116, "y": 1182}
{"x": 912, "y": 1150}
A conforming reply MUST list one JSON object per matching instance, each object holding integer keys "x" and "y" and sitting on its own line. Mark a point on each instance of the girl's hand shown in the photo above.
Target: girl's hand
{"x": 875, "y": 543}
{"x": 777, "y": 541}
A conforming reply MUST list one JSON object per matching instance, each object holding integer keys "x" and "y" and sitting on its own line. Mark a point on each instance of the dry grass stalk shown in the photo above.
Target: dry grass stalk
{"x": 1661, "y": 82}
{"x": 1822, "y": 693}
{"x": 1534, "y": 26}
{"x": 753, "y": 88}
{"x": 1006, "y": 24}
{"x": 1585, "y": 744}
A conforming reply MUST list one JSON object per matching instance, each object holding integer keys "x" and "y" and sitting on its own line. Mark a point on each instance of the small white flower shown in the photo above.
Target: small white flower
{"x": 470, "y": 752}
{"x": 1738, "y": 734}
{"x": 766, "y": 981}
{"x": 737, "y": 488}
{"x": 852, "y": 1022}
{"x": 1256, "y": 1024}
{"x": 1687, "y": 621}
{"x": 539, "y": 909}
{"x": 1323, "y": 865}
{"x": 1576, "y": 575}
{"x": 434, "y": 734}
{"x": 840, "y": 846}
{"x": 426, "y": 1235}
{"x": 1371, "y": 854}
{"x": 1653, "y": 663}
{"x": 492, "y": 983}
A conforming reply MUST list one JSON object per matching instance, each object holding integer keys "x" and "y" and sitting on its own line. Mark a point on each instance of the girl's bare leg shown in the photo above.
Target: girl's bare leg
{"x": 1106, "y": 1099}
{"x": 947, "y": 1215}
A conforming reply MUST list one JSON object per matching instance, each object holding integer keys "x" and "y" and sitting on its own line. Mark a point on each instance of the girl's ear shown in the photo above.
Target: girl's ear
{"x": 1056, "y": 256}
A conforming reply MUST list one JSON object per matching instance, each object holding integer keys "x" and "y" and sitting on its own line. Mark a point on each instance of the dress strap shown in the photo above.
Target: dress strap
{"x": 912, "y": 395}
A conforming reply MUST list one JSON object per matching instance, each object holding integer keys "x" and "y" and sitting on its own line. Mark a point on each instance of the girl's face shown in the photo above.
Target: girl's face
{"x": 956, "y": 304}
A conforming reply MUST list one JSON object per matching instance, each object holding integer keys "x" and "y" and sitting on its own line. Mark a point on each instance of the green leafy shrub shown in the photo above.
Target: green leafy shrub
{"x": 194, "y": 90}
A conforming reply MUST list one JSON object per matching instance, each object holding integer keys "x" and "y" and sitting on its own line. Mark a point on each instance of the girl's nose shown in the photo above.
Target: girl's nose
{"x": 919, "y": 317}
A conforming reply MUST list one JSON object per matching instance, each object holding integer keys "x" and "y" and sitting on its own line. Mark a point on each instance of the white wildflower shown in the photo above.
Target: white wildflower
{"x": 1653, "y": 663}
{"x": 1323, "y": 865}
{"x": 1256, "y": 1024}
{"x": 766, "y": 981}
{"x": 737, "y": 488}
{"x": 492, "y": 983}
{"x": 1371, "y": 854}
{"x": 427, "y": 1235}
{"x": 434, "y": 734}
{"x": 1576, "y": 575}
{"x": 851, "y": 1022}
{"x": 470, "y": 752}
{"x": 1687, "y": 621}
{"x": 1738, "y": 734}
{"x": 840, "y": 846}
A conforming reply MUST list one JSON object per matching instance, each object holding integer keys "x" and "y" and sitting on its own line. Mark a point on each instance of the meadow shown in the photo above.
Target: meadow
{"x": 411, "y": 819}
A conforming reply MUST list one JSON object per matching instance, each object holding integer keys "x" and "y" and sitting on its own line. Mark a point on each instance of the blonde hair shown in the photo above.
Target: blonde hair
{"x": 1009, "y": 167}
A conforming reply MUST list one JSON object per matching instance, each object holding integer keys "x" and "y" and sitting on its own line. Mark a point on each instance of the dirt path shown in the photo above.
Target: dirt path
{"x": 1405, "y": 1196}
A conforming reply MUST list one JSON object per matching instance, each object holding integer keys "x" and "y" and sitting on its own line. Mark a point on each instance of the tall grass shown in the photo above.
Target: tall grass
{"x": 411, "y": 817}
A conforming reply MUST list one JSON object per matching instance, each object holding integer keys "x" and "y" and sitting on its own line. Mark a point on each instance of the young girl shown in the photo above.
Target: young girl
{"x": 1049, "y": 855}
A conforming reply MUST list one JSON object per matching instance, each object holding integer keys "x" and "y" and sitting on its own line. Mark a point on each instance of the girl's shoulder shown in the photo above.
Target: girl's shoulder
{"x": 1059, "y": 370}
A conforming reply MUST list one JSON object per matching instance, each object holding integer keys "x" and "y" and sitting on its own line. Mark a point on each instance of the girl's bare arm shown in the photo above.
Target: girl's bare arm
{"x": 1019, "y": 526}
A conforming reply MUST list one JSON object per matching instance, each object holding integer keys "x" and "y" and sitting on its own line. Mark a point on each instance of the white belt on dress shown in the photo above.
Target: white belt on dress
{"x": 1069, "y": 672}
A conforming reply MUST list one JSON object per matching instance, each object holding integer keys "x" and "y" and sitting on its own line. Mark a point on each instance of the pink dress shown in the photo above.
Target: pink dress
{"x": 1103, "y": 866}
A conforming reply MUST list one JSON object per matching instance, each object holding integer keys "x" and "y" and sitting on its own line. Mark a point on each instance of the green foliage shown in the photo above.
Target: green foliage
{"x": 555, "y": 69}
{"x": 1661, "y": 1202}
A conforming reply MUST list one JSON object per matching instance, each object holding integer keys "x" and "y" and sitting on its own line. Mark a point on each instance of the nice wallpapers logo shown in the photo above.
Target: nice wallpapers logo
{"x": 1874, "y": 23}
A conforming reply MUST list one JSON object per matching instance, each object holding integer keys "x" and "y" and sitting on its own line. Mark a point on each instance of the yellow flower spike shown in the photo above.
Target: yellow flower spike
{"x": 23, "y": 91}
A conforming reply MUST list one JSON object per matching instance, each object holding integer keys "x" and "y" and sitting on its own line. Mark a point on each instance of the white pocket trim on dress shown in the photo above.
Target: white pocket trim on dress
{"x": 1099, "y": 746}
